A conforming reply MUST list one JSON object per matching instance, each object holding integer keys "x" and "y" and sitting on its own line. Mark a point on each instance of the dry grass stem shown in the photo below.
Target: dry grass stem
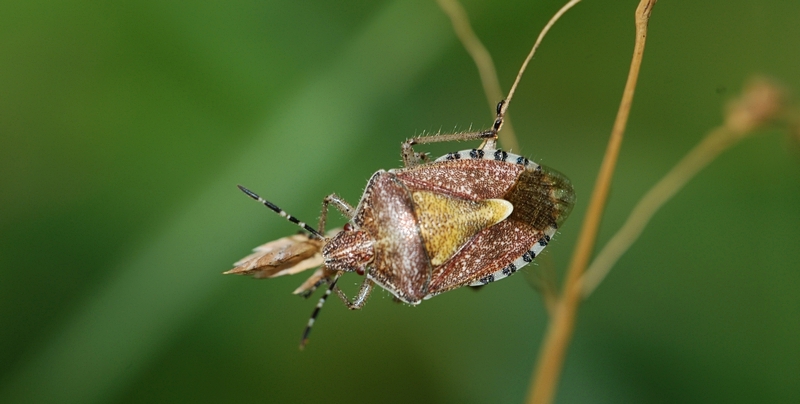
{"x": 536, "y": 44}
{"x": 483, "y": 61}
{"x": 760, "y": 104}
{"x": 559, "y": 332}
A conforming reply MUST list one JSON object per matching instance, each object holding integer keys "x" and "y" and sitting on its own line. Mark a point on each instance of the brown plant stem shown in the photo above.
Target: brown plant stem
{"x": 560, "y": 329}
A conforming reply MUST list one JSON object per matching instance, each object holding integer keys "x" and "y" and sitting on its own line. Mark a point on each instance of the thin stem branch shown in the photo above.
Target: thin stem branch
{"x": 761, "y": 103}
{"x": 536, "y": 44}
{"x": 703, "y": 153}
{"x": 560, "y": 330}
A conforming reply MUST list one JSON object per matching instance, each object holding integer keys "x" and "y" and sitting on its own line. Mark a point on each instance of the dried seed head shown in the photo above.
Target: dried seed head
{"x": 761, "y": 103}
{"x": 285, "y": 256}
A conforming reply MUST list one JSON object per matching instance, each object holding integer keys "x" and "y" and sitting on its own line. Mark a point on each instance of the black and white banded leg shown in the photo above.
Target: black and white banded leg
{"x": 315, "y": 313}
{"x": 306, "y": 294}
{"x": 357, "y": 303}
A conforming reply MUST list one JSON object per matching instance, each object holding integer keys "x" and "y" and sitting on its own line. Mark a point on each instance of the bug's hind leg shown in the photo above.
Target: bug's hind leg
{"x": 412, "y": 158}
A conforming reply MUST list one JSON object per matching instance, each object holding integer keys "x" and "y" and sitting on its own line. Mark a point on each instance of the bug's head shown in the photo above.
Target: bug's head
{"x": 350, "y": 250}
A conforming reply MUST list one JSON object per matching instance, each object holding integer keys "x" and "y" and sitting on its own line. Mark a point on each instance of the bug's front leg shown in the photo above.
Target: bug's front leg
{"x": 347, "y": 210}
{"x": 361, "y": 297}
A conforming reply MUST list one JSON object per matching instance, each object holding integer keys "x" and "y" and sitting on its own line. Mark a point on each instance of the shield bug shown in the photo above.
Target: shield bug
{"x": 465, "y": 219}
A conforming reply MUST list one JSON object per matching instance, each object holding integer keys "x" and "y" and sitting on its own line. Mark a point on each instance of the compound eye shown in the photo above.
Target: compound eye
{"x": 360, "y": 271}
{"x": 348, "y": 227}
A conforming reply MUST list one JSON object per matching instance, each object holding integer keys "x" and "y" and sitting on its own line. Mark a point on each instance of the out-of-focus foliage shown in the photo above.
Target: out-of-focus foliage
{"x": 125, "y": 126}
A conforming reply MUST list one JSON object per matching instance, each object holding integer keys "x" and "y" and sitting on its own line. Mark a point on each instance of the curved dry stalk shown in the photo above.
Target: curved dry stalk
{"x": 536, "y": 44}
{"x": 483, "y": 61}
{"x": 560, "y": 330}
{"x": 761, "y": 102}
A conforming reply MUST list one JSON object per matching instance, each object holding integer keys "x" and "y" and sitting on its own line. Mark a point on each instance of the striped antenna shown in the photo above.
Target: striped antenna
{"x": 283, "y": 213}
{"x": 314, "y": 314}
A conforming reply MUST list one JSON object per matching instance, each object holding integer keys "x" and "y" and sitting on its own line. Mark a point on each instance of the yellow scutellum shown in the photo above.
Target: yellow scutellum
{"x": 447, "y": 223}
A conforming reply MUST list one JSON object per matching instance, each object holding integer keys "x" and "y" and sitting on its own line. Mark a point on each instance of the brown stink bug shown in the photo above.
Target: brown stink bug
{"x": 466, "y": 219}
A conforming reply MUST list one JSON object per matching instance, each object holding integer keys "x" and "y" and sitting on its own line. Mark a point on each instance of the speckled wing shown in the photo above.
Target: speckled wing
{"x": 541, "y": 200}
{"x": 468, "y": 179}
{"x": 490, "y": 251}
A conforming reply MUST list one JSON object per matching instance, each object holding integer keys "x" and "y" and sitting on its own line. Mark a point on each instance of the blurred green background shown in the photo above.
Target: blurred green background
{"x": 125, "y": 126}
